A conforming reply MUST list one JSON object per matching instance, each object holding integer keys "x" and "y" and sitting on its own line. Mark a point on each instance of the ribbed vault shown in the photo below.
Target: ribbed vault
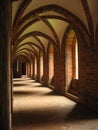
{"x": 37, "y": 23}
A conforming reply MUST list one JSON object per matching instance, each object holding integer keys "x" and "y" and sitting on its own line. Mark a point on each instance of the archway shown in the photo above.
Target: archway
{"x": 24, "y": 68}
{"x": 41, "y": 66}
{"x": 35, "y": 66}
{"x": 71, "y": 63}
{"x": 51, "y": 64}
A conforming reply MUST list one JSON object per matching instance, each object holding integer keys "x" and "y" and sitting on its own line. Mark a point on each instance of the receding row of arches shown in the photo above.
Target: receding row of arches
{"x": 67, "y": 61}
{"x": 50, "y": 57}
{"x": 34, "y": 66}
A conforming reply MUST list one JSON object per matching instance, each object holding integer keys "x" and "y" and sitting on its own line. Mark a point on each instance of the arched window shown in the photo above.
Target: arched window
{"x": 51, "y": 63}
{"x": 75, "y": 59}
{"x": 71, "y": 60}
{"x": 41, "y": 65}
{"x": 35, "y": 66}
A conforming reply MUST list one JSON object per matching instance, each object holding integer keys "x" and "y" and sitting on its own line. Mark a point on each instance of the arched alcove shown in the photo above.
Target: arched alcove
{"x": 35, "y": 66}
{"x": 51, "y": 63}
{"x": 41, "y": 66}
{"x": 71, "y": 62}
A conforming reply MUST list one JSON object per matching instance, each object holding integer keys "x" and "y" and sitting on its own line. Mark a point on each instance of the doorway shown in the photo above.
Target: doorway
{"x": 24, "y": 68}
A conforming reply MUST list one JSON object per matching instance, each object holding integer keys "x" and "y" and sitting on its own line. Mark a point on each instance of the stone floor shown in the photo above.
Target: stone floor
{"x": 36, "y": 107}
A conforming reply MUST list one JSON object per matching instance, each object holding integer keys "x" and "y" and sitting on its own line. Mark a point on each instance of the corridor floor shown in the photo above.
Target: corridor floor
{"x": 36, "y": 107}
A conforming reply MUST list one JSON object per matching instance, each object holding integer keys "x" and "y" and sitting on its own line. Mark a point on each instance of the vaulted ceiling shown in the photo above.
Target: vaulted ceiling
{"x": 36, "y": 23}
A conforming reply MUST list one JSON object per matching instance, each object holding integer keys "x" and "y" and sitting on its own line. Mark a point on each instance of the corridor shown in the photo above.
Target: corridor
{"x": 36, "y": 107}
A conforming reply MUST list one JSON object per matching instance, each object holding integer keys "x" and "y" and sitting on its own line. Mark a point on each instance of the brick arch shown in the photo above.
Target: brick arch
{"x": 79, "y": 35}
{"x": 30, "y": 43}
{"x": 64, "y": 38}
{"x": 31, "y": 50}
{"x": 70, "y": 18}
{"x": 68, "y": 50}
{"x": 35, "y": 33}
{"x": 40, "y": 42}
{"x": 20, "y": 31}
{"x": 21, "y": 61}
{"x": 53, "y": 31}
{"x": 89, "y": 19}
{"x": 20, "y": 11}
{"x": 44, "y": 19}
{"x": 28, "y": 50}
{"x": 50, "y": 64}
{"x": 24, "y": 55}
{"x": 29, "y": 56}
{"x": 83, "y": 53}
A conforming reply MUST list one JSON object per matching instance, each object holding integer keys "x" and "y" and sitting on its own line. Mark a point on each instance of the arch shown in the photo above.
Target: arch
{"x": 18, "y": 44}
{"x": 35, "y": 67}
{"x": 51, "y": 63}
{"x": 41, "y": 64}
{"x": 23, "y": 53}
{"x": 89, "y": 19}
{"x": 19, "y": 65}
{"x": 70, "y": 48}
{"x": 29, "y": 51}
{"x": 29, "y": 43}
{"x": 44, "y": 19}
{"x": 70, "y": 18}
{"x": 35, "y": 33}
{"x": 21, "y": 10}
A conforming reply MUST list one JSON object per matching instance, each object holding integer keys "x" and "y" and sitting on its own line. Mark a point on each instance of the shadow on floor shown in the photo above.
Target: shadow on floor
{"x": 44, "y": 109}
{"x": 33, "y": 93}
{"x": 81, "y": 113}
{"x": 45, "y": 116}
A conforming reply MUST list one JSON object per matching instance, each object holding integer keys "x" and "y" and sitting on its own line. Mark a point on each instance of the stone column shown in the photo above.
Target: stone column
{"x": 45, "y": 70}
{"x": 5, "y": 65}
{"x": 29, "y": 69}
{"x": 59, "y": 72}
{"x": 38, "y": 68}
{"x": 32, "y": 68}
{"x": 33, "y": 76}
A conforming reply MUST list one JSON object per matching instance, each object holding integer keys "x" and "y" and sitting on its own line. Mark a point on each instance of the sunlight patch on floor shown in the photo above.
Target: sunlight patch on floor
{"x": 36, "y": 107}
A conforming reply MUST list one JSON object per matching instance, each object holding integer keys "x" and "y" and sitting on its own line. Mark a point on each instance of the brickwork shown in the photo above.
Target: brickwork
{"x": 45, "y": 70}
{"x": 28, "y": 65}
{"x": 88, "y": 78}
{"x": 88, "y": 72}
{"x": 59, "y": 72}
{"x": 86, "y": 87}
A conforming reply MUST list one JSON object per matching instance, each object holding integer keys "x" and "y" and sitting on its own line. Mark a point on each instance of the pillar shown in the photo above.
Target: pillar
{"x": 45, "y": 70}
{"x": 5, "y": 65}
{"x": 38, "y": 68}
{"x": 59, "y": 72}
